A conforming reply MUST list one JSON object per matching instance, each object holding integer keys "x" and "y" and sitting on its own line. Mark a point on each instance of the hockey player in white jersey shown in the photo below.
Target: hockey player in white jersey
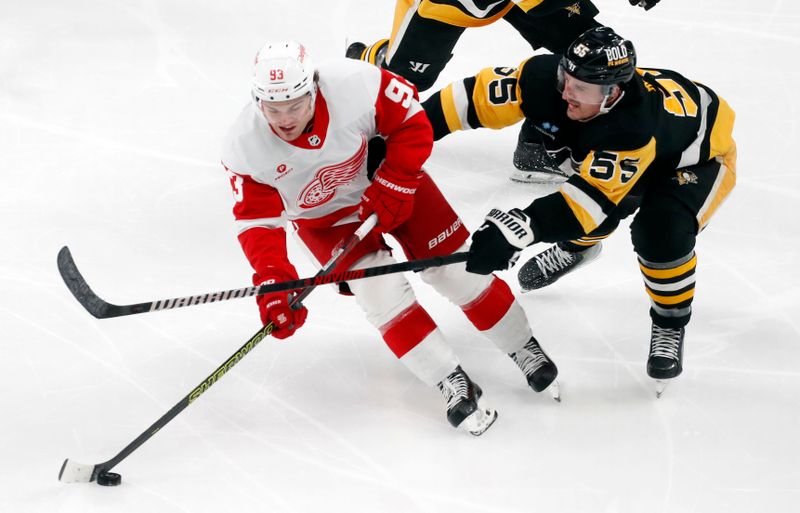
{"x": 299, "y": 152}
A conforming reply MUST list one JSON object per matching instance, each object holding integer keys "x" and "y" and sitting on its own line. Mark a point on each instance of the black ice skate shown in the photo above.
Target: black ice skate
{"x": 666, "y": 355}
{"x": 539, "y": 369}
{"x": 463, "y": 409}
{"x": 531, "y": 160}
{"x": 553, "y": 263}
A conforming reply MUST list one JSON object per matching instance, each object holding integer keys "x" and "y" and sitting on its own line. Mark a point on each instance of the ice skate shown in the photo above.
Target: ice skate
{"x": 551, "y": 264}
{"x": 463, "y": 403}
{"x": 666, "y": 356}
{"x": 539, "y": 369}
{"x": 534, "y": 165}
{"x": 532, "y": 162}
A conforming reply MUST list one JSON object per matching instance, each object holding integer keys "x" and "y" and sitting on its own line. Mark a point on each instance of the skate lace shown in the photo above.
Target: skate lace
{"x": 455, "y": 388}
{"x": 530, "y": 358}
{"x": 665, "y": 342}
{"x": 553, "y": 260}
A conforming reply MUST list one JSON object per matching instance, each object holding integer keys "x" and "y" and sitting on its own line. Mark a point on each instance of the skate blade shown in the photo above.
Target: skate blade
{"x": 479, "y": 421}
{"x": 555, "y": 391}
{"x": 661, "y": 386}
{"x": 542, "y": 177}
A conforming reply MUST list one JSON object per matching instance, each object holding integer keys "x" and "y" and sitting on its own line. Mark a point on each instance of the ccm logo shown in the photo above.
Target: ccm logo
{"x": 444, "y": 235}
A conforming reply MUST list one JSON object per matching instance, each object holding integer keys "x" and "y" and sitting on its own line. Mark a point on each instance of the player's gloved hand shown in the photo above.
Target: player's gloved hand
{"x": 497, "y": 243}
{"x": 390, "y": 197}
{"x": 646, "y": 4}
{"x": 275, "y": 308}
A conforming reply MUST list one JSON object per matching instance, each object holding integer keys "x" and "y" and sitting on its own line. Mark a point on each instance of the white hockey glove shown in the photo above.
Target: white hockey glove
{"x": 497, "y": 243}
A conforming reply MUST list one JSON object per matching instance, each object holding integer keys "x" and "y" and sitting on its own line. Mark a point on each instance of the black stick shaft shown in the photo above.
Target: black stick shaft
{"x": 186, "y": 401}
{"x": 305, "y": 283}
{"x": 104, "y": 310}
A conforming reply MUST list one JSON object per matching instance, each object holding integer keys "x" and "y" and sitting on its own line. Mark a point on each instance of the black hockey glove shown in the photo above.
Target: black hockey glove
{"x": 646, "y": 4}
{"x": 497, "y": 243}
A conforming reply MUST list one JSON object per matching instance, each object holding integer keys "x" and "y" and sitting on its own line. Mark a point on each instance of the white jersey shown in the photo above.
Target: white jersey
{"x": 323, "y": 173}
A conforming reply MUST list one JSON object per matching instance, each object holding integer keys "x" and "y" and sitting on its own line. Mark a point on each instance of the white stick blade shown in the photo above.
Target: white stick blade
{"x": 73, "y": 472}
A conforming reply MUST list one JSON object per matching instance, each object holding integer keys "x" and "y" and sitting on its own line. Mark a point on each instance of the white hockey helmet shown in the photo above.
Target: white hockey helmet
{"x": 283, "y": 71}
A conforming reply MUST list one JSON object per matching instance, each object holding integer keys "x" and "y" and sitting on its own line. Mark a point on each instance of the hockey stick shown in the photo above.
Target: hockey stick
{"x": 104, "y": 310}
{"x": 73, "y": 472}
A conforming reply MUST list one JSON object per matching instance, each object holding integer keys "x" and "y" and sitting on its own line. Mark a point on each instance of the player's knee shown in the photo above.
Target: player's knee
{"x": 381, "y": 297}
{"x": 455, "y": 283}
{"x": 660, "y": 235}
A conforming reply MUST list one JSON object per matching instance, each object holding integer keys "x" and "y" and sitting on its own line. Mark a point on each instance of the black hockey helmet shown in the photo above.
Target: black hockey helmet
{"x": 600, "y": 56}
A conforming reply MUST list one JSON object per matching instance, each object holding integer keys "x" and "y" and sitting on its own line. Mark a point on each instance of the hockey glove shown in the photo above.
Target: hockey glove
{"x": 646, "y": 4}
{"x": 275, "y": 308}
{"x": 390, "y": 197}
{"x": 497, "y": 243}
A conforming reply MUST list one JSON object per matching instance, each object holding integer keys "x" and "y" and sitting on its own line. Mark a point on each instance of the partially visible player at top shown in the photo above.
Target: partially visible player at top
{"x": 639, "y": 140}
{"x": 425, "y": 32}
{"x": 323, "y": 148}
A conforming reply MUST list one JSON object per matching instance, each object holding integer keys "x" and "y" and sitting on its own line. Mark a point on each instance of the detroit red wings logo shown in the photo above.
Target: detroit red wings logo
{"x": 323, "y": 187}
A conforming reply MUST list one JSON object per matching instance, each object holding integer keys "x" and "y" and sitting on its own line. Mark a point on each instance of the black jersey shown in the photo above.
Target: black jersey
{"x": 662, "y": 123}
{"x": 477, "y": 13}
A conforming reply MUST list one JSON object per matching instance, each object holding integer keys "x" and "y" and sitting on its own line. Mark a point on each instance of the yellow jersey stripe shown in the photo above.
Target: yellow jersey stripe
{"x": 721, "y": 133}
{"x": 449, "y": 109}
{"x": 724, "y": 183}
{"x": 455, "y": 16}
{"x": 527, "y": 5}
{"x": 691, "y": 155}
{"x": 586, "y": 211}
{"x": 403, "y": 14}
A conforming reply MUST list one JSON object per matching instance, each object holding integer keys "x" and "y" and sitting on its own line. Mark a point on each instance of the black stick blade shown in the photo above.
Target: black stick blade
{"x": 78, "y": 286}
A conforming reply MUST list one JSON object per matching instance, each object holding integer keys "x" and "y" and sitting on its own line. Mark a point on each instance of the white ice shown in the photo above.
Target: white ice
{"x": 111, "y": 119}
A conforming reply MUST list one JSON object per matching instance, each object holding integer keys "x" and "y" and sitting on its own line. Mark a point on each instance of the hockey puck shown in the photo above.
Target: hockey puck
{"x": 108, "y": 479}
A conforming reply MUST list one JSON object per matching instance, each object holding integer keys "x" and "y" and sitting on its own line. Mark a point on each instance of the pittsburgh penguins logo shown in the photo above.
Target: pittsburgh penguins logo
{"x": 574, "y": 9}
{"x": 684, "y": 177}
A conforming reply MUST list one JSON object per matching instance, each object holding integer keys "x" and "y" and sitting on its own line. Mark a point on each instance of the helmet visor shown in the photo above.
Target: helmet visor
{"x": 578, "y": 91}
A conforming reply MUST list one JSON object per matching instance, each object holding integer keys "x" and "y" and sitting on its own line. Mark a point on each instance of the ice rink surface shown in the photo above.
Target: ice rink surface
{"x": 111, "y": 119}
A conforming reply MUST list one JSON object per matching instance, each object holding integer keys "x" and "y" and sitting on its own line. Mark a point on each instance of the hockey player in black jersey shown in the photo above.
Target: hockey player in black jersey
{"x": 639, "y": 140}
{"x": 425, "y": 32}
